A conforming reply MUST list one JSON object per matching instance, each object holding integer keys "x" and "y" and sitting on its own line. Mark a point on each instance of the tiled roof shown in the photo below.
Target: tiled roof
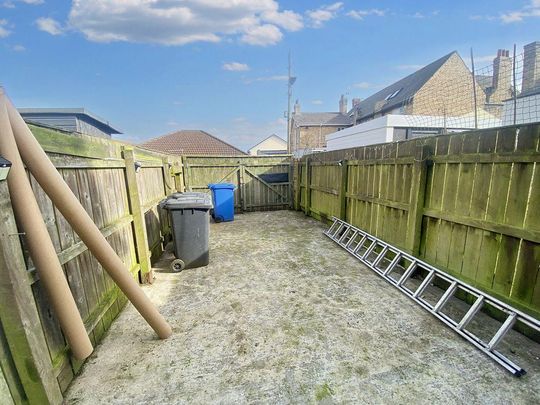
{"x": 401, "y": 91}
{"x": 191, "y": 142}
{"x": 322, "y": 118}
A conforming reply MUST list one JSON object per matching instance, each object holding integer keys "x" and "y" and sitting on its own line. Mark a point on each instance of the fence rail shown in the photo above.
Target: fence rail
{"x": 467, "y": 203}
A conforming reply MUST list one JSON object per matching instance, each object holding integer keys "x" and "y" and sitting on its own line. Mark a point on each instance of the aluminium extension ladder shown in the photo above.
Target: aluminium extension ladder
{"x": 387, "y": 261}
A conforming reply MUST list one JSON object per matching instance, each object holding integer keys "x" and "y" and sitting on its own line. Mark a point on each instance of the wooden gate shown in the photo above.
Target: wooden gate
{"x": 262, "y": 182}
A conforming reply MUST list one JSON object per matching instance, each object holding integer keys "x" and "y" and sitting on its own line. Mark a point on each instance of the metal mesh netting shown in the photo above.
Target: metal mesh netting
{"x": 506, "y": 92}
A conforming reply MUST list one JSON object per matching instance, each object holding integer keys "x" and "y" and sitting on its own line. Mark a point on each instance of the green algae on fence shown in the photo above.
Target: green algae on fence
{"x": 468, "y": 203}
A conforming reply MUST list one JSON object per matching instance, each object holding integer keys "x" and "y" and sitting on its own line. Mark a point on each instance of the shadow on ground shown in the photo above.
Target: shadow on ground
{"x": 282, "y": 315}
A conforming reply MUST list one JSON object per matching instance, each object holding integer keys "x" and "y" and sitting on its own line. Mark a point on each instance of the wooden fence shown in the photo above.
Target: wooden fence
{"x": 247, "y": 173}
{"x": 120, "y": 187}
{"x": 467, "y": 203}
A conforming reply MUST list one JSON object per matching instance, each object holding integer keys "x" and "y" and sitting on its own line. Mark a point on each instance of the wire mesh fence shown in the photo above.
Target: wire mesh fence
{"x": 460, "y": 97}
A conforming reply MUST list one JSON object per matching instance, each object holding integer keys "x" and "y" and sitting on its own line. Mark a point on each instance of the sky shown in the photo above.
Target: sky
{"x": 151, "y": 67}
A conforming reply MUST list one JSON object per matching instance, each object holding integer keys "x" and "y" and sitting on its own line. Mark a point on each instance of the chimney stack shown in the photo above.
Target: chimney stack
{"x": 531, "y": 67}
{"x": 502, "y": 77}
{"x": 343, "y": 104}
{"x": 297, "y": 107}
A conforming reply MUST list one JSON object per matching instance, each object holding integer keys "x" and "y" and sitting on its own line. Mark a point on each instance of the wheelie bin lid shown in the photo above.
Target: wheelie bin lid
{"x": 221, "y": 186}
{"x": 181, "y": 201}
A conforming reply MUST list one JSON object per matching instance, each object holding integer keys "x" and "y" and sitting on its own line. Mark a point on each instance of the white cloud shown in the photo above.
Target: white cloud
{"x": 11, "y": 3}
{"x": 262, "y": 35}
{"x": 287, "y": 19}
{"x": 316, "y": 102}
{"x": 363, "y": 85}
{"x": 19, "y": 48}
{"x": 166, "y": 22}
{"x": 274, "y": 78}
{"x": 323, "y": 14}
{"x": 419, "y": 15}
{"x": 49, "y": 25}
{"x": 4, "y": 32}
{"x": 235, "y": 67}
{"x": 482, "y": 59}
{"x": 360, "y": 14}
{"x": 530, "y": 10}
{"x": 477, "y": 17}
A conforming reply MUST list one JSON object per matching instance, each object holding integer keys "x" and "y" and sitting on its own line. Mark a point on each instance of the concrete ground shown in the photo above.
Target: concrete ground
{"x": 282, "y": 315}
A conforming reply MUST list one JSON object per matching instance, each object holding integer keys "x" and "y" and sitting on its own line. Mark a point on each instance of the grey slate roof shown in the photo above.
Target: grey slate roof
{"x": 322, "y": 118}
{"x": 36, "y": 112}
{"x": 408, "y": 87}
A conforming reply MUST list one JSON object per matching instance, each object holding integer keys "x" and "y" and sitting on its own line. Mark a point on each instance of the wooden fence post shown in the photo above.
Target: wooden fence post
{"x": 291, "y": 184}
{"x": 307, "y": 188}
{"x": 187, "y": 172}
{"x": 416, "y": 205}
{"x": 343, "y": 191}
{"x": 20, "y": 318}
{"x": 178, "y": 175}
{"x": 167, "y": 178}
{"x": 297, "y": 185}
{"x": 139, "y": 224}
{"x": 242, "y": 187}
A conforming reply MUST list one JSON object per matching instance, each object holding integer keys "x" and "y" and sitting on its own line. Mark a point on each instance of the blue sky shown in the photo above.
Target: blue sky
{"x": 151, "y": 67}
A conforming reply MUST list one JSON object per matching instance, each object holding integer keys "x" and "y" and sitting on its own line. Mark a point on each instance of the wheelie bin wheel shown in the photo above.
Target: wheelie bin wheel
{"x": 177, "y": 265}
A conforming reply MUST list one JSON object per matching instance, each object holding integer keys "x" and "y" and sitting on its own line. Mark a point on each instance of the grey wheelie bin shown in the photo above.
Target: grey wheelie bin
{"x": 189, "y": 215}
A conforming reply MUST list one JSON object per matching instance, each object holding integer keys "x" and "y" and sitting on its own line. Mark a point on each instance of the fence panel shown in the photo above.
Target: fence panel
{"x": 95, "y": 169}
{"x": 262, "y": 183}
{"x": 465, "y": 202}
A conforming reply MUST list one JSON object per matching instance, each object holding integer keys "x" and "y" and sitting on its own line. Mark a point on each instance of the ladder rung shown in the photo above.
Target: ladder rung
{"x": 392, "y": 264}
{"x": 335, "y": 234}
{"x": 446, "y": 296}
{"x": 359, "y": 245}
{"x": 473, "y": 310}
{"x": 347, "y": 228}
{"x": 350, "y": 239}
{"x": 380, "y": 256}
{"x": 348, "y": 247}
{"x": 407, "y": 273}
{"x": 506, "y": 326}
{"x": 424, "y": 284}
{"x": 369, "y": 249}
{"x": 331, "y": 229}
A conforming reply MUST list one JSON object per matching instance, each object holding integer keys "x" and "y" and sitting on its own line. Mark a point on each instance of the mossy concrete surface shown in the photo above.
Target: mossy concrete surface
{"x": 282, "y": 315}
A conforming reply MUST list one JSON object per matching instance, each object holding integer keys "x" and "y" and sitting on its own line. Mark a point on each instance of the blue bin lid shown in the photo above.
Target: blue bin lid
{"x": 218, "y": 186}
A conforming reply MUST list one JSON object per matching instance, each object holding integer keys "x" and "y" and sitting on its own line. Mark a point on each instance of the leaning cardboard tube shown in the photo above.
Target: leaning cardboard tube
{"x": 61, "y": 195}
{"x": 40, "y": 245}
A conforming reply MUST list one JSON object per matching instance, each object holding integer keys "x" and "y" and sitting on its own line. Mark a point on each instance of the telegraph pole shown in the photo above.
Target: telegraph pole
{"x": 290, "y": 82}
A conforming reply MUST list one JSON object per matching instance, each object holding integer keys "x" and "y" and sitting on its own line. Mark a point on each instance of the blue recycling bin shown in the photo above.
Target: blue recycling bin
{"x": 223, "y": 199}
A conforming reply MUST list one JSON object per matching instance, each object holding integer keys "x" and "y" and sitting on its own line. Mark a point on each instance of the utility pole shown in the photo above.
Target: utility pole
{"x": 290, "y": 82}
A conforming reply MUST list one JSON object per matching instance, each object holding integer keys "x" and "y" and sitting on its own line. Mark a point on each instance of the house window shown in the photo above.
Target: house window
{"x": 393, "y": 94}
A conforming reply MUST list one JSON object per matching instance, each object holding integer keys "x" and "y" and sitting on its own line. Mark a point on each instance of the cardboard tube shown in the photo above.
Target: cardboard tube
{"x": 61, "y": 195}
{"x": 40, "y": 244}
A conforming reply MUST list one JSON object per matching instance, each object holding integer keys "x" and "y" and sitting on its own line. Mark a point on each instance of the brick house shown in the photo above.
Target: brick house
{"x": 444, "y": 87}
{"x": 308, "y": 130}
